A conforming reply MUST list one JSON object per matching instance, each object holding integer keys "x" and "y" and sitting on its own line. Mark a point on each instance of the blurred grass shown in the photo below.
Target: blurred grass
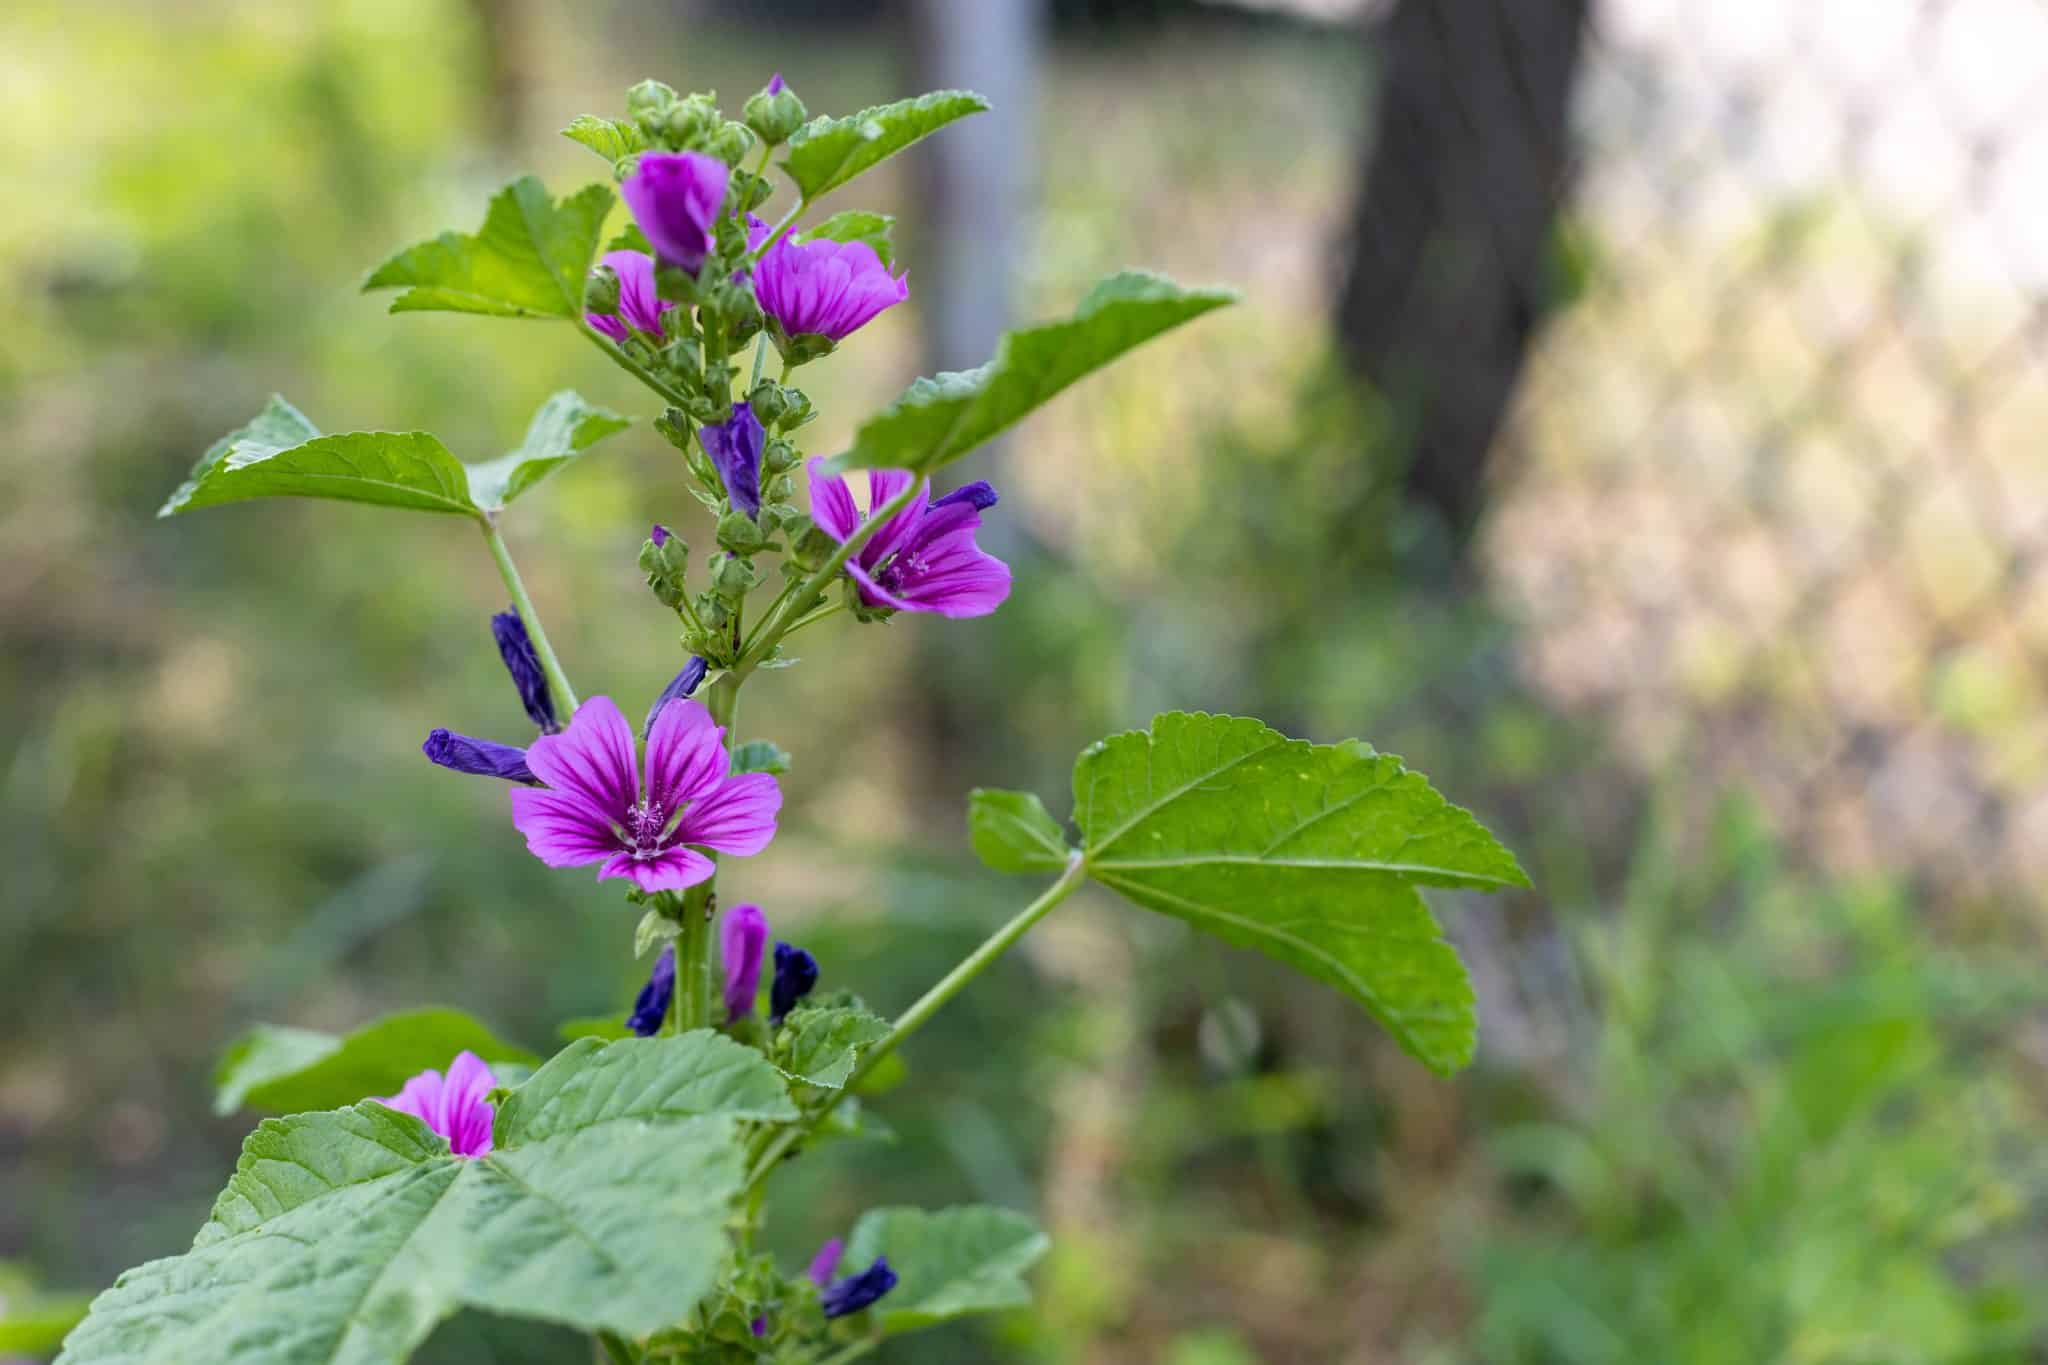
{"x": 1724, "y": 1107}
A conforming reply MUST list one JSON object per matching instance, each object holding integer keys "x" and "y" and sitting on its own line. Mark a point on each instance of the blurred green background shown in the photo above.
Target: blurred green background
{"x": 1740, "y": 637}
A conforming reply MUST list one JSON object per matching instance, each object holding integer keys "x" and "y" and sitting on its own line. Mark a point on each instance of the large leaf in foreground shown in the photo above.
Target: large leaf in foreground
{"x": 949, "y": 1263}
{"x": 282, "y": 455}
{"x": 940, "y": 419}
{"x": 287, "y": 1070}
{"x": 344, "y": 1237}
{"x": 1309, "y": 852}
{"x": 827, "y": 152}
{"x": 528, "y": 260}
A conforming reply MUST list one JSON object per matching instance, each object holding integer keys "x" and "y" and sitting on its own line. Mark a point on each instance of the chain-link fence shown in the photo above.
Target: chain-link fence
{"x": 1774, "y": 495}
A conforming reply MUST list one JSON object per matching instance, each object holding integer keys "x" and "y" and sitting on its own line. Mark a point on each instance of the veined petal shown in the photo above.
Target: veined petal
{"x": 874, "y": 594}
{"x": 832, "y": 503}
{"x": 672, "y": 869}
{"x": 592, "y": 758}
{"x": 959, "y": 582}
{"x": 561, "y": 828}
{"x": 685, "y": 754}
{"x": 609, "y": 324}
{"x": 737, "y": 816}
{"x": 639, "y": 305}
{"x": 883, "y": 485}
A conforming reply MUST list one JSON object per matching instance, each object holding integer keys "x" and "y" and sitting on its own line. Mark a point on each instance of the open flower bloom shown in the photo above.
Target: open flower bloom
{"x": 454, "y": 1105}
{"x": 640, "y": 309}
{"x": 831, "y": 288}
{"x": 675, "y": 198}
{"x": 925, "y": 559}
{"x": 597, "y": 809}
{"x": 740, "y": 940}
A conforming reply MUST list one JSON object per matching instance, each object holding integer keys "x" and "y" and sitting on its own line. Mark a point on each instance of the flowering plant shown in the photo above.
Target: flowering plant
{"x": 424, "y": 1166}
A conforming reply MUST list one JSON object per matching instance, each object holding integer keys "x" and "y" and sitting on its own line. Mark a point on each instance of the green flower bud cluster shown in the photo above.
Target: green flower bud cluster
{"x": 687, "y": 123}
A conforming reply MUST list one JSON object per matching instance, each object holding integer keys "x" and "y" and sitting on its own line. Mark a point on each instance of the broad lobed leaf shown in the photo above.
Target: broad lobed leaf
{"x": 1308, "y": 852}
{"x": 613, "y": 139}
{"x": 949, "y": 1263}
{"x": 528, "y": 260}
{"x": 281, "y": 454}
{"x": 1013, "y": 832}
{"x": 938, "y": 420}
{"x": 286, "y": 1070}
{"x": 346, "y": 1236}
{"x": 823, "y": 1045}
{"x": 827, "y": 152}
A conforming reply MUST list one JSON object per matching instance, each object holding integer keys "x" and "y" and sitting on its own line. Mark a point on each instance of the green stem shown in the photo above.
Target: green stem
{"x": 776, "y": 235}
{"x": 794, "y": 606}
{"x": 631, "y": 366}
{"x": 919, "y": 1014}
{"x": 695, "y": 969}
{"x": 549, "y": 664}
{"x": 852, "y": 1352}
{"x": 760, "y": 360}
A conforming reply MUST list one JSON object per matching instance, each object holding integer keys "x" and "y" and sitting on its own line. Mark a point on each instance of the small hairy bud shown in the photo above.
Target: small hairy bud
{"x": 601, "y": 291}
{"x": 775, "y": 112}
{"x": 648, "y": 104}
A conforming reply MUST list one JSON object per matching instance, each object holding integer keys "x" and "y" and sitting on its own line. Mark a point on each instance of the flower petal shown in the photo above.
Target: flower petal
{"x": 959, "y": 581}
{"x": 561, "y": 828}
{"x": 737, "y": 816}
{"x": 593, "y": 758}
{"x": 832, "y": 503}
{"x": 883, "y": 486}
{"x": 672, "y": 869}
{"x": 685, "y": 754}
{"x": 639, "y": 305}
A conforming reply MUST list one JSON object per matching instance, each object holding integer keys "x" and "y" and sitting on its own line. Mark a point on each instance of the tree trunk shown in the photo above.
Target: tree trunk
{"x": 1447, "y": 266}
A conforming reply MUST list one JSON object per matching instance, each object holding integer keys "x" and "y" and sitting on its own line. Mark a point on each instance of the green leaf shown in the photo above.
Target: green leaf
{"x": 1308, "y": 852}
{"x": 528, "y": 260}
{"x": 613, "y": 139}
{"x": 859, "y": 226}
{"x": 348, "y": 1235}
{"x": 940, "y": 419}
{"x": 820, "y": 1046}
{"x": 564, "y": 428}
{"x": 760, "y": 756}
{"x": 949, "y": 1263}
{"x": 280, "y": 455}
{"x": 827, "y": 152}
{"x": 289, "y": 1069}
{"x": 1012, "y": 832}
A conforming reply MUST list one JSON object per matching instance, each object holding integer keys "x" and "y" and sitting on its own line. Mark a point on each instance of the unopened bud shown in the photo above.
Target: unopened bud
{"x": 775, "y": 112}
{"x": 649, "y": 103}
{"x": 601, "y": 291}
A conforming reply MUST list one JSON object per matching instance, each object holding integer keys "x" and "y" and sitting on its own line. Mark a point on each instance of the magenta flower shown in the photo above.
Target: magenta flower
{"x": 453, "y": 1106}
{"x": 595, "y": 808}
{"x": 735, "y": 447}
{"x": 925, "y": 559}
{"x": 832, "y": 288}
{"x": 675, "y": 198}
{"x": 640, "y": 309}
{"x": 740, "y": 940}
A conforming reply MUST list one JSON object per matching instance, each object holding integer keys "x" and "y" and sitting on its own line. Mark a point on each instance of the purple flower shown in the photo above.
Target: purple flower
{"x": 825, "y": 1264}
{"x": 675, "y": 198}
{"x": 455, "y": 1106}
{"x": 680, "y": 686}
{"x": 856, "y": 1292}
{"x": 639, "y": 307}
{"x": 651, "y": 1006}
{"x": 796, "y": 972}
{"x": 735, "y": 446}
{"x": 776, "y": 85}
{"x": 660, "y": 534}
{"x": 595, "y": 808}
{"x": 925, "y": 559}
{"x": 833, "y": 288}
{"x": 740, "y": 940}
{"x": 478, "y": 756}
{"x": 524, "y": 665}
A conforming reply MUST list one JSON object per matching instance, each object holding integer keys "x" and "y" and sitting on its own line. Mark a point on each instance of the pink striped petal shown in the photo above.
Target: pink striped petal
{"x": 737, "y": 816}
{"x": 593, "y": 758}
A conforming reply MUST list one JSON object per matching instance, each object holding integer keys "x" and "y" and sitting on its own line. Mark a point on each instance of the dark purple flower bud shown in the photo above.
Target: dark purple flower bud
{"x": 735, "y": 446}
{"x": 523, "y": 664}
{"x": 651, "y": 1006}
{"x": 675, "y": 198}
{"x": 659, "y": 535}
{"x": 830, "y": 288}
{"x": 980, "y": 495}
{"x": 776, "y": 85}
{"x": 478, "y": 756}
{"x": 759, "y": 1326}
{"x": 680, "y": 686}
{"x": 740, "y": 940}
{"x": 856, "y": 1292}
{"x": 796, "y": 972}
